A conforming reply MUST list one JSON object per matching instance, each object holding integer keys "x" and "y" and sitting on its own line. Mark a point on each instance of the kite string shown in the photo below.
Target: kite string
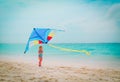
{"x": 70, "y": 50}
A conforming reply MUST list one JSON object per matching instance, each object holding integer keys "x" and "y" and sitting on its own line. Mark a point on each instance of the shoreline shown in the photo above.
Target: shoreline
{"x": 53, "y": 61}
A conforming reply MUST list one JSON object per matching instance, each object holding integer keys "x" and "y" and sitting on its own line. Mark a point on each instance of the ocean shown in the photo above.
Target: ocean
{"x": 100, "y": 52}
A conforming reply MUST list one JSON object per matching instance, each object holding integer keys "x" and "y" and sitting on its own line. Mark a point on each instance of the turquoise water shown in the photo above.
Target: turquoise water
{"x": 111, "y": 49}
{"x": 109, "y": 52}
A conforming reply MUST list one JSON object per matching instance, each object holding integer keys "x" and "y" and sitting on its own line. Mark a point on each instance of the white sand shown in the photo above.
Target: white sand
{"x": 23, "y": 71}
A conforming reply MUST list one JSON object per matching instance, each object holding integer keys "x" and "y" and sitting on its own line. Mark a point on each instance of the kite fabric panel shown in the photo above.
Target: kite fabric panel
{"x": 39, "y": 36}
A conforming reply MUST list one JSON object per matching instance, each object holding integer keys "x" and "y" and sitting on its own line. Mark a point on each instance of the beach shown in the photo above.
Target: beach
{"x": 78, "y": 40}
{"x": 21, "y": 71}
{"x": 102, "y": 65}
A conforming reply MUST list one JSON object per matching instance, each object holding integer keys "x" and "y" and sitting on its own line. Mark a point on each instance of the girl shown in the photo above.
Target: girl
{"x": 40, "y": 54}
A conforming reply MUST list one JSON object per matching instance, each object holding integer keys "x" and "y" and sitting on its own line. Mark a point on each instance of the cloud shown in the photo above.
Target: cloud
{"x": 94, "y": 26}
{"x": 114, "y": 12}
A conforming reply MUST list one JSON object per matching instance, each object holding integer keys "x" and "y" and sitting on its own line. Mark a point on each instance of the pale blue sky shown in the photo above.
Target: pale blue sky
{"x": 83, "y": 20}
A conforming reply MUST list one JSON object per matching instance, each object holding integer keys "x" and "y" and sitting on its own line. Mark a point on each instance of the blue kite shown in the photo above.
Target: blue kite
{"x": 40, "y": 36}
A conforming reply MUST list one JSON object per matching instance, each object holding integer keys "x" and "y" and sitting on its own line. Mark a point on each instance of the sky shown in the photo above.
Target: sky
{"x": 84, "y": 21}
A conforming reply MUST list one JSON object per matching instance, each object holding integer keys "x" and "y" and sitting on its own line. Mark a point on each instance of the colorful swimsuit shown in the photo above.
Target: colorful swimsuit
{"x": 40, "y": 55}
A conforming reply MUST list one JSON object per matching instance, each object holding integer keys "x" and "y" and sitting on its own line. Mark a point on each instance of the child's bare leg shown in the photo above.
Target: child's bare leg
{"x": 40, "y": 61}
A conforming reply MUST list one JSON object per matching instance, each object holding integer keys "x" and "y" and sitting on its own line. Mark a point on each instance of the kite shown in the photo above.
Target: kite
{"x": 43, "y": 36}
{"x": 40, "y": 36}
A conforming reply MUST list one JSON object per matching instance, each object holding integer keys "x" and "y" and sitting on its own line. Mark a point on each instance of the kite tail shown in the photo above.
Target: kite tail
{"x": 70, "y": 50}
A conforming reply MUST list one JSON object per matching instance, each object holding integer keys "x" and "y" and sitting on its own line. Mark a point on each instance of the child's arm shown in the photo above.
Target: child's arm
{"x": 40, "y": 52}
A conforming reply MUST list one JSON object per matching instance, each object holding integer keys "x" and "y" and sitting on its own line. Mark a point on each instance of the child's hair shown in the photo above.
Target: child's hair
{"x": 40, "y": 47}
